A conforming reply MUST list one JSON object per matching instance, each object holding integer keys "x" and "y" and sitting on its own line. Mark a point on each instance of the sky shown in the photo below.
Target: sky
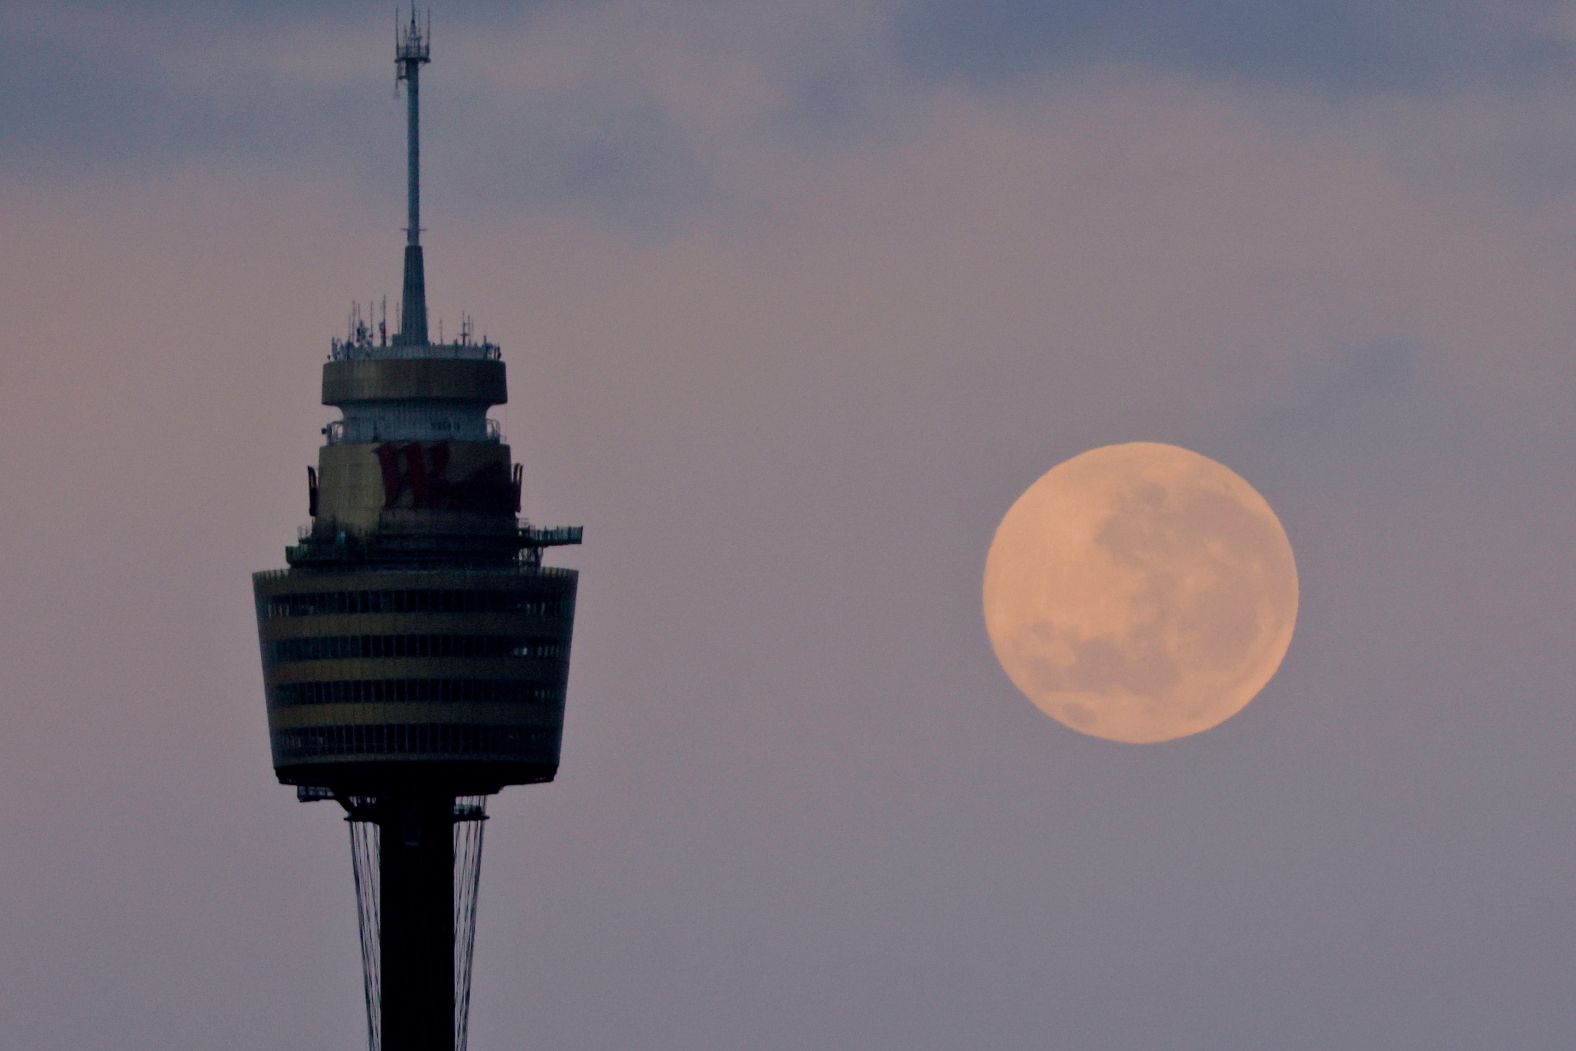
{"x": 796, "y": 298}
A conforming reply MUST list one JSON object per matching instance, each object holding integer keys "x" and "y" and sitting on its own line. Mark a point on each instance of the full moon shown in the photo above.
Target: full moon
{"x": 1140, "y": 593}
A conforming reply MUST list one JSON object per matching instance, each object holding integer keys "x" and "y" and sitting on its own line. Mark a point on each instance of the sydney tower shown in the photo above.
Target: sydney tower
{"x": 416, "y": 651}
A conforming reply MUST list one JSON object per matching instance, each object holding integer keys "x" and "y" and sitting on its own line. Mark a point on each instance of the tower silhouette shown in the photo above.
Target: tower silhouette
{"x": 415, "y": 651}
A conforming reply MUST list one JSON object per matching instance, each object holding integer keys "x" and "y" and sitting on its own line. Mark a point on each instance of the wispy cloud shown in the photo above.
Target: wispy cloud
{"x": 1345, "y": 47}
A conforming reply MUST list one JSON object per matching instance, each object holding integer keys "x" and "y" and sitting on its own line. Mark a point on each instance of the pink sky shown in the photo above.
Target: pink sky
{"x": 789, "y": 362}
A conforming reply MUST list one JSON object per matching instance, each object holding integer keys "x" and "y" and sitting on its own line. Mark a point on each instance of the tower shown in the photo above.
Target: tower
{"x": 416, "y": 650}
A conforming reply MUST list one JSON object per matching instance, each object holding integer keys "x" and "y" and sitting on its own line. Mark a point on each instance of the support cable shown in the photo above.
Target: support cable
{"x": 470, "y": 814}
{"x": 364, "y": 838}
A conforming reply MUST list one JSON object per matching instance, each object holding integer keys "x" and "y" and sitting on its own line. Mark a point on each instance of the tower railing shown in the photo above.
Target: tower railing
{"x": 459, "y": 350}
{"x": 336, "y": 433}
{"x": 520, "y": 568}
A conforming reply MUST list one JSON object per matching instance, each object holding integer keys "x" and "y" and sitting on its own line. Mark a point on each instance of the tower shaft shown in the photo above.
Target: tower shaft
{"x": 416, "y": 951}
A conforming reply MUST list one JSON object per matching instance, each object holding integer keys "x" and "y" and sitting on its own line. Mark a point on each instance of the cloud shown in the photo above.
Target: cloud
{"x": 1099, "y": 242}
{"x": 1346, "y": 47}
{"x": 585, "y": 107}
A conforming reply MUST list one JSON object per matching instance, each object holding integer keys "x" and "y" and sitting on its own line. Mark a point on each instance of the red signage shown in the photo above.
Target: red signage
{"x": 421, "y": 469}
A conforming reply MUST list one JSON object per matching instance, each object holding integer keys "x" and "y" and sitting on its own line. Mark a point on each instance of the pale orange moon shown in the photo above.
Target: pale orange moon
{"x": 1140, "y": 593}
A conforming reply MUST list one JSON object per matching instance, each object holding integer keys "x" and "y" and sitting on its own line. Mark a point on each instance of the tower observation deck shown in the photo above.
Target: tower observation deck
{"x": 415, "y": 650}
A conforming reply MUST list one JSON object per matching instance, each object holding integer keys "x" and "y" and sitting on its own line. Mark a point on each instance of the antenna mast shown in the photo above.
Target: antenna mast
{"x": 412, "y": 50}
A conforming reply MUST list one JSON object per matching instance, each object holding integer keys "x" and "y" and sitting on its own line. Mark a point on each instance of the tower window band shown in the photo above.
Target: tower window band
{"x": 393, "y": 691}
{"x": 340, "y": 603}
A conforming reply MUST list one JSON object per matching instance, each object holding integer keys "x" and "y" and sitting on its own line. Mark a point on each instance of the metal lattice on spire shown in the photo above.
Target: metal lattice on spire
{"x": 412, "y": 50}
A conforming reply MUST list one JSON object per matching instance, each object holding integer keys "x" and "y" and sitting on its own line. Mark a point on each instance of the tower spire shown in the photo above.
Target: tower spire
{"x": 412, "y": 50}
